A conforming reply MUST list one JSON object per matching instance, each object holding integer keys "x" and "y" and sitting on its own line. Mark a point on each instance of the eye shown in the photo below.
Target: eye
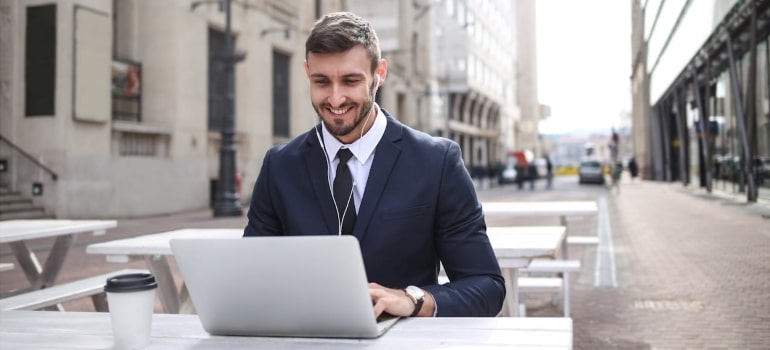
{"x": 321, "y": 82}
{"x": 352, "y": 82}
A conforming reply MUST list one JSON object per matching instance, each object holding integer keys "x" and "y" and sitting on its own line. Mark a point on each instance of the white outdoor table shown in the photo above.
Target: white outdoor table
{"x": 516, "y": 250}
{"x": 562, "y": 209}
{"x": 23, "y": 330}
{"x": 541, "y": 208}
{"x": 17, "y": 232}
{"x": 515, "y": 247}
{"x": 154, "y": 250}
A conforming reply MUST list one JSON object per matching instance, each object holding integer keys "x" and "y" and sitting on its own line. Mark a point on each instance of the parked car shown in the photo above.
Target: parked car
{"x": 542, "y": 168}
{"x": 591, "y": 170}
{"x": 507, "y": 175}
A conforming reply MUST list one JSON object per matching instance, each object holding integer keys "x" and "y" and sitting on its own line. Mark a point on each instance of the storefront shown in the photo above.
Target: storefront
{"x": 710, "y": 126}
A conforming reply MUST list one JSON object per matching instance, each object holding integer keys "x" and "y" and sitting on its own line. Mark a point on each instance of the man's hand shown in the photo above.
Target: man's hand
{"x": 396, "y": 302}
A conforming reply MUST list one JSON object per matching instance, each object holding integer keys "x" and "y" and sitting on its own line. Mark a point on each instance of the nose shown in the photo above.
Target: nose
{"x": 337, "y": 97}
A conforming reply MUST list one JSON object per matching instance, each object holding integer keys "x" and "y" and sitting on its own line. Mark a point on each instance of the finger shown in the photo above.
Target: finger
{"x": 377, "y": 293}
{"x": 379, "y": 308}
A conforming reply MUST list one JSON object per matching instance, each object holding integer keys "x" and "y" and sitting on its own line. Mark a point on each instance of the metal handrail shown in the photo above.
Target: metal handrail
{"x": 54, "y": 176}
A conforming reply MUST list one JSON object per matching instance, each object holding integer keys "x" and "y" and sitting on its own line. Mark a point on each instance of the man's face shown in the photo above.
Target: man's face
{"x": 341, "y": 90}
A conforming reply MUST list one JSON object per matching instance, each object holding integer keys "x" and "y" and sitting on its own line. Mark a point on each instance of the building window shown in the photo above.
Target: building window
{"x": 126, "y": 69}
{"x": 40, "y": 61}
{"x": 126, "y": 90}
{"x": 218, "y": 105}
{"x": 281, "y": 88}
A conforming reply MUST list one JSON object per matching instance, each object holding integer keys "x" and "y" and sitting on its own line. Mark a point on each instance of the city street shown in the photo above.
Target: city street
{"x": 676, "y": 268}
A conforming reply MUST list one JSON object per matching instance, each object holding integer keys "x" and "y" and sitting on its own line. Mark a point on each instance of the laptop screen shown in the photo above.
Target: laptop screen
{"x": 297, "y": 286}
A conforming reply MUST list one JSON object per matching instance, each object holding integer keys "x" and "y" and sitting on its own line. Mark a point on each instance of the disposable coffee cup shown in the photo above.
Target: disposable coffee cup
{"x": 131, "y": 299}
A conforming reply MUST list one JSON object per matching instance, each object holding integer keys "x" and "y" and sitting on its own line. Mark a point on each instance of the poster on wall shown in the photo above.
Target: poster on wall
{"x": 91, "y": 65}
{"x": 126, "y": 80}
{"x": 126, "y": 90}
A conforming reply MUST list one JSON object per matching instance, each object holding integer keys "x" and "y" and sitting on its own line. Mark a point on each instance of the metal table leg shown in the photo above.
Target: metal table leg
{"x": 45, "y": 276}
{"x": 169, "y": 297}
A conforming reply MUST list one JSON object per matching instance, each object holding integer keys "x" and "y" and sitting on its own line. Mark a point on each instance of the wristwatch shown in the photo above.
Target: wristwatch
{"x": 418, "y": 296}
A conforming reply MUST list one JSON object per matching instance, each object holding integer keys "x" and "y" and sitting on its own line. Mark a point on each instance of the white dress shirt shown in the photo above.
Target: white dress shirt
{"x": 363, "y": 155}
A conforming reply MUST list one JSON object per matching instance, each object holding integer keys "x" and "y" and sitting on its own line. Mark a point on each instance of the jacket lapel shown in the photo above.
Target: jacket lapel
{"x": 385, "y": 158}
{"x": 317, "y": 172}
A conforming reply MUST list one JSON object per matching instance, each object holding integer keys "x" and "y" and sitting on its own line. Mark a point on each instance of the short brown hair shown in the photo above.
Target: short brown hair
{"x": 340, "y": 31}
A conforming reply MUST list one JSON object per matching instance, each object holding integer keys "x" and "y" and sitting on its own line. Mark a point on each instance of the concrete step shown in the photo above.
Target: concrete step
{"x": 12, "y": 200}
{"x": 14, "y": 206}
{"x": 32, "y": 214}
{"x": 10, "y": 207}
{"x": 10, "y": 196}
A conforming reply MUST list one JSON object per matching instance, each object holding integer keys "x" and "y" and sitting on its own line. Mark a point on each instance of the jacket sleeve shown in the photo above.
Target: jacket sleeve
{"x": 477, "y": 287}
{"x": 262, "y": 217}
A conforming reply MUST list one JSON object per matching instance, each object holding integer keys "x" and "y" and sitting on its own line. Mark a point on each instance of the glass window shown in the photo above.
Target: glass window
{"x": 461, "y": 13}
{"x": 763, "y": 99}
{"x": 218, "y": 106}
{"x": 281, "y": 94}
{"x": 762, "y": 163}
{"x": 40, "y": 61}
{"x": 471, "y": 24}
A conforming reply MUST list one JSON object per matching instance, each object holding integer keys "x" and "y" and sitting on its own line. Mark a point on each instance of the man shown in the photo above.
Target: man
{"x": 548, "y": 173}
{"x": 411, "y": 204}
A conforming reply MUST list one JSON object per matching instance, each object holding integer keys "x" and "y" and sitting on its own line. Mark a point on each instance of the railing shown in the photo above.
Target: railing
{"x": 26, "y": 189}
{"x": 29, "y": 157}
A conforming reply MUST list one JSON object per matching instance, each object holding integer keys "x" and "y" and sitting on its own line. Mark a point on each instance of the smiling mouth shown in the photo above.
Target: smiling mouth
{"x": 339, "y": 111}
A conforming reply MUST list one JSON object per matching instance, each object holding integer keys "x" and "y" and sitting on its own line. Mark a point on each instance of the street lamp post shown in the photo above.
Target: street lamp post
{"x": 227, "y": 201}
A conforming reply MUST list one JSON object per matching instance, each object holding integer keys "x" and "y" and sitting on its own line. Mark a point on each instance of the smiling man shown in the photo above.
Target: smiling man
{"x": 404, "y": 194}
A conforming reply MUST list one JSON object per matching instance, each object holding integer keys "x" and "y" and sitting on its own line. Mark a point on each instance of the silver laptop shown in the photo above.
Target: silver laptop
{"x": 295, "y": 286}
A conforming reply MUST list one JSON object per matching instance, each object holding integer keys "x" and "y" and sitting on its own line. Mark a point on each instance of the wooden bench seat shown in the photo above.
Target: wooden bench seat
{"x": 57, "y": 294}
{"x": 550, "y": 265}
{"x": 554, "y": 285}
{"x": 540, "y": 284}
{"x": 583, "y": 240}
{"x": 529, "y": 284}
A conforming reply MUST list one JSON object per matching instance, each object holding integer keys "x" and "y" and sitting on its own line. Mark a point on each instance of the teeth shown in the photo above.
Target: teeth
{"x": 339, "y": 111}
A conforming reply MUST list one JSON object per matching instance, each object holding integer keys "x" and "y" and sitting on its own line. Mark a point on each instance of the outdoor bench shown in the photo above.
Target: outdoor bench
{"x": 57, "y": 294}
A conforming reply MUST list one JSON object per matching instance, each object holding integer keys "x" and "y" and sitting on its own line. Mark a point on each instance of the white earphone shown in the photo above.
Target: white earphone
{"x": 328, "y": 162}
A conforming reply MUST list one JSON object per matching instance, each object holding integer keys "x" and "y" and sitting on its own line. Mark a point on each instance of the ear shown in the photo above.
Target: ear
{"x": 381, "y": 71}
{"x": 307, "y": 70}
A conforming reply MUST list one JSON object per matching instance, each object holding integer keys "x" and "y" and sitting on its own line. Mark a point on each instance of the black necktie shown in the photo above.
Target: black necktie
{"x": 343, "y": 192}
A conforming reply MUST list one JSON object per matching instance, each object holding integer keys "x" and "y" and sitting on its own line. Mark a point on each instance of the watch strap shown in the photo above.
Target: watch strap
{"x": 417, "y": 303}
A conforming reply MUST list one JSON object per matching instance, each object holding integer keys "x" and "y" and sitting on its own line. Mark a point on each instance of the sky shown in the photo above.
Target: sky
{"x": 584, "y": 64}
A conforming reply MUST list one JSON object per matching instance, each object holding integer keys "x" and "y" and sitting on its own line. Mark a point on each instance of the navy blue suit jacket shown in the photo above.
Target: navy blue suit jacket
{"x": 419, "y": 207}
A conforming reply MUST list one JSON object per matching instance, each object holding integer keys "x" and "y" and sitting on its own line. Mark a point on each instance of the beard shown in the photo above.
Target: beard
{"x": 341, "y": 129}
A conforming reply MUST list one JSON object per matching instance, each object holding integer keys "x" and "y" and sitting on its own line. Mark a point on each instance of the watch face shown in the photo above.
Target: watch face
{"x": 415, "y": 292}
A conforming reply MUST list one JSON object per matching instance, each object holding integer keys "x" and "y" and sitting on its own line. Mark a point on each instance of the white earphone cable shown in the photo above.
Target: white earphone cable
{"x": 340, "y": 219}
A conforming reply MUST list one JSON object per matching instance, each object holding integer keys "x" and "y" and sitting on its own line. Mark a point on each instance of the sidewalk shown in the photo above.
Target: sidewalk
{"x": 692, "y": 273}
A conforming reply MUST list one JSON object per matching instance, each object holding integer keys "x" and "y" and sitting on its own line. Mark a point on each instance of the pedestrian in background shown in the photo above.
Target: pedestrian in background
{"x": 633, "y": 168}
{"x": 548, "y": 173}
{"x": 617, "y": 171}
{"x": 532, "y": 174}
{"x": 521, "y": 174}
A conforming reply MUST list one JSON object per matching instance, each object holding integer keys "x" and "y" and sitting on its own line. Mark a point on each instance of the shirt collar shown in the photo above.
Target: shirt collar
{"x": 362, "y": 148}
